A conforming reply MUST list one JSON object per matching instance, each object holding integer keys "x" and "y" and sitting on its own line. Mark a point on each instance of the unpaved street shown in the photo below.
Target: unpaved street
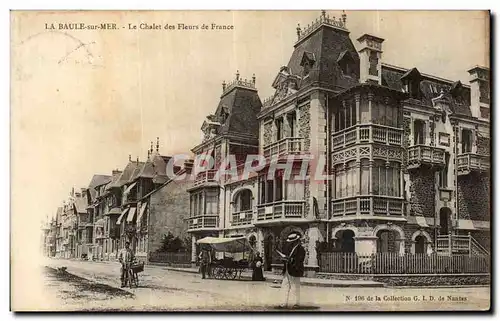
{"x": 162, "y": 289}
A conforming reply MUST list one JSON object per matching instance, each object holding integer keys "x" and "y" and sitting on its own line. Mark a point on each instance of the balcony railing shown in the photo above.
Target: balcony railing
{"x": 208, "y": 176}
{"x": 242, "y": 218}
{"x": 203, "y": 222}
{"x": 367, "y": 134}
{"x": 280, "y": 210}
{"x": 367, "y": 205}
{"x": 285, "y": 146}
{"x": 425, "y": 155}
{"x": 470, "y": 162}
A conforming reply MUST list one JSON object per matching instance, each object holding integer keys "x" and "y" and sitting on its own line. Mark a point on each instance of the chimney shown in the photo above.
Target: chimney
{"x": 116, "y": 172}
{"x": 370, "y": 59}
{"x": 480, "y": 92}
{"x": 83, "y": 190}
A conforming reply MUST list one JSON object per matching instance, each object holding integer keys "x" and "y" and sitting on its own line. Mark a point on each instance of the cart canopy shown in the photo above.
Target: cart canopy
{"x": 227, "y": 244}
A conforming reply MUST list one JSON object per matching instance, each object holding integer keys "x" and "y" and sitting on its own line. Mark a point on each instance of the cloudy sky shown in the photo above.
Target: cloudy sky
{"x": 83, "y": 100}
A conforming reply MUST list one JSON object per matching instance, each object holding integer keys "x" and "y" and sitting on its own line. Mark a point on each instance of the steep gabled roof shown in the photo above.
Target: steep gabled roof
{"x": 326, "y": 44}
{"x": 242, "y": 106}
{"x": 127, "y": 173}
{"x": 97, "y": 180}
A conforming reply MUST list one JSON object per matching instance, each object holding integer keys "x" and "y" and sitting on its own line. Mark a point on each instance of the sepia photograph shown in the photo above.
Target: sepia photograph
{"x": 250, "y": 161}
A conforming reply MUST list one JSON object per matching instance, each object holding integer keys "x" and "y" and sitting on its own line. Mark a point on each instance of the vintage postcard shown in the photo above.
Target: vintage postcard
{"x": 328, "y": 160}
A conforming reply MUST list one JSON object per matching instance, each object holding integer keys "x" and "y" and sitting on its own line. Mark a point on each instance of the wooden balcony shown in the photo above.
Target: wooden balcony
{"x": 281, "y": 210}
{"x": 203, "y": 222}
{"x": 284, "y": 147}
{"x": 471, "y": 162}
{"x": 367, "y": 206}
{"x": 422, "y": 155}
{"x": 241, "y": 218}
{"x": 367, "y": 134}
{"x": 206, "y": 178}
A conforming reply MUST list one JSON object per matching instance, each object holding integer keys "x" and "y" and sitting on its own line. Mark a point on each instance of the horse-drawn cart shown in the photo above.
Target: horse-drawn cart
{"x": 227, "y": 268}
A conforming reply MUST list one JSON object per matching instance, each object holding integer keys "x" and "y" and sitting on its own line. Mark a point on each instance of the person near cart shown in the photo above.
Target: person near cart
{"x": 257, "y": 273}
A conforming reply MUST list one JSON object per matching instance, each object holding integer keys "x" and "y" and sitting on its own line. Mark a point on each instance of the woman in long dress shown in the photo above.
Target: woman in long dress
{"x": 257, "y": 274}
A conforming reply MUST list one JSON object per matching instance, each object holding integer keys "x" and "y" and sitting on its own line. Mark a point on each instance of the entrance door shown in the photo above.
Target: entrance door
{"x": 420, "y": 245}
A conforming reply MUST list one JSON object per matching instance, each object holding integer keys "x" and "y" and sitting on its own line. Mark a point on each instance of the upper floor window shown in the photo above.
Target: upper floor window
{"x": 211, "y": 202}
{"x": 243, "y": 201}
{"x": 345, "y": 116}
{"x": 418, "y": 132}
{"x": 292, "y": 124}
{"x": 411, "y": 82}
{"x": 346, "y": 63}
{"x": 443, "y": 174}
{"x": 307, "y": 61}
{"x": 466, "y": 140}
{"x": 485, "y": 112}
{"x": 279, "y": 128}
{"x": 386, "y": 179}
{"x": 384, "y": 114}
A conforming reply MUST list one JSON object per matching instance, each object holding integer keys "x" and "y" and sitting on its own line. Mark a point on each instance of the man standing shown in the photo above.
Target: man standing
{"x": 205, "y": 260}
{"x": 293, "y": 268}
{"x": 126, "y": 257}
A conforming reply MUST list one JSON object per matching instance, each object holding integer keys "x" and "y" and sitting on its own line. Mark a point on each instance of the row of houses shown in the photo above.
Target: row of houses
{"x": 138, "y": 204}
{"x": 408, "y": 153}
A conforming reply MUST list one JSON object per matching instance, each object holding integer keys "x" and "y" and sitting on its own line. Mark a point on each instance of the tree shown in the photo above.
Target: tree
{"x": 171, "y": 243}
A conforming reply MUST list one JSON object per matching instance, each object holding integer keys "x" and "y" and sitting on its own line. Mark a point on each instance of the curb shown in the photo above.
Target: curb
{"x": 306, "y": 283}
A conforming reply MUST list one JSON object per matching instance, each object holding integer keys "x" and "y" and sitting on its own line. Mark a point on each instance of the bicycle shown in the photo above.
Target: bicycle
{"x": 131, "y": 277}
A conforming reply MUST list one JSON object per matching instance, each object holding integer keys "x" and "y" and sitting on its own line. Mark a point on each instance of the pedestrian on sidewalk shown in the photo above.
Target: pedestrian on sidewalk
{"x": 293, "y": 269}
{"x": 205, "y": 260}
{"x": 126, "y": 258}
{"x": 257, "y": 273}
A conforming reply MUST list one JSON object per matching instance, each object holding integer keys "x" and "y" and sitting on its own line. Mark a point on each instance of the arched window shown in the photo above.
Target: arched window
{"x": 243, "y": 201}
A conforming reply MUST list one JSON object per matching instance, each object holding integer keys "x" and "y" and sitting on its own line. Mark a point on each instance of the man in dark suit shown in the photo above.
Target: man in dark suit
{"x": 293, "y": 268}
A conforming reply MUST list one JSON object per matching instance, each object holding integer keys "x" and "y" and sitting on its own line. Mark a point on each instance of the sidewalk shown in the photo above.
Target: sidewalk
{"x": 270, "y": 277}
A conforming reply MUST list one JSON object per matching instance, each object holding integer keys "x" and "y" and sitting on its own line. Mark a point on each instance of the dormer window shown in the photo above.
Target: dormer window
{"x": 456, "y": 91}
{"x": 411, "y": 83}
{"x": 346, "y": 63}
{"x": 307, "y": 61}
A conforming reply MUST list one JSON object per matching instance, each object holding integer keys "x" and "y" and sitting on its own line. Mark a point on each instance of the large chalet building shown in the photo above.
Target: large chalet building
{"x": 408, "y": 154}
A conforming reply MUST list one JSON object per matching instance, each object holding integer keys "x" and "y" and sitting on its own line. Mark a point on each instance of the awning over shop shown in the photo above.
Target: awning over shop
{"x": 131, "y": 214}
{"x": 119, "y": 220}
{"x": 129, "y": 188}
{"x": 141, "y": 212}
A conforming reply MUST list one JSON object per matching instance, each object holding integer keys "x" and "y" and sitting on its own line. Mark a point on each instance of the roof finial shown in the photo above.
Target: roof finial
{"x": 129, "y": 157}
{"x": 137, "y": 160}
{"x": 223, "y": 85}
{"x": 344, "y": 18}
{"x": 151, "y": 147}
{"x": 237, "y": 75}
{"x": 298, "y": 30}
{"x": 253, "y": 79}
{"x": 323, "y": 13}
{"x": 157, "y": 144}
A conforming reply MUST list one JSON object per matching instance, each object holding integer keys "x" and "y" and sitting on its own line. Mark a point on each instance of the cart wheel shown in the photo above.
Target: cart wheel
{"x": 136, "y": 280}
{"x": 218, "y": 272}
{"x": 232, "y": 273}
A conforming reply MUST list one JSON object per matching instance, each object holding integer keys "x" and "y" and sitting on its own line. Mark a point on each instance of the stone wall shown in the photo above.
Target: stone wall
{"x": 305, "y": 125}
{"x": 483, "y": 146}
{"x": 406, "y": 141}
{"x": 433, "y": 280}
{"x": 422, "y": 192}
{"x": 473, "y": 194}
{"x": 168, "y": 208}
{"x": 268, "y": 133}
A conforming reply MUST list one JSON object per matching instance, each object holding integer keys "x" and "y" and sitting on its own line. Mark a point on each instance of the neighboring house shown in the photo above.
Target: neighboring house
{"x": 222, "y": 206}
{"x": 80, "y": 208}
{"x": 93, "y": 208}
